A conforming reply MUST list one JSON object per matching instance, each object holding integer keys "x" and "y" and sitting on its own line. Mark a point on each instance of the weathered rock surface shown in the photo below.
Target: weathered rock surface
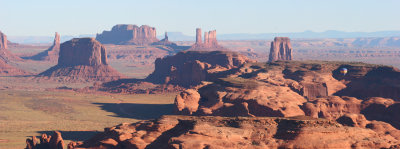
{"x": 210, "y": 42}
{"x": 128, "y": 34}
{"x": 188, "y": 132}
{"x": 191, "y": 67}
{"x": 291, "y": 88}
{"x": 281, "y": 49}
{"x": 6, "y": 55}
{"x": 50, "y": 54}
{"x": 82, "y": 59}
{"x": 178, "y": 72}
{"x": 54, "y": 141}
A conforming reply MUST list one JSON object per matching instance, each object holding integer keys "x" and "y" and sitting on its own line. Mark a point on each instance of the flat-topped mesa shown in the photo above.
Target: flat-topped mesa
{"x": 82, "y": 51}
{"x": 83, "y": 59}
{"x": 165, "y": 42}
{"x": 6, "y": 55}
{"x": 281, "y": 49}
{"x": 50, "y": 54}
{"x": 210, "y": 41}
{"x": 128, "y": 34}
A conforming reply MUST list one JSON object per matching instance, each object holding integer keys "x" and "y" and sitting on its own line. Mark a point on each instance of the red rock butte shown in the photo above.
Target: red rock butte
{"x": 50, "y": 54}
{"x": 281, "y": 49}
{"x": 210, "y": 41}
{"x": 6, "y": 55}
{"x": 127, "y": 34}
{"x": 83, "y": 59}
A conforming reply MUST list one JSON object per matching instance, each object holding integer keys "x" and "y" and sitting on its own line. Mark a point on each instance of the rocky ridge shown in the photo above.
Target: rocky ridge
{"x": 190, "y": 132}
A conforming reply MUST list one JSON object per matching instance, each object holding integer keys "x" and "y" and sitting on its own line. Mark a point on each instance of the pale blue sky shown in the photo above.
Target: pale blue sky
{"x": 74, "y": 17}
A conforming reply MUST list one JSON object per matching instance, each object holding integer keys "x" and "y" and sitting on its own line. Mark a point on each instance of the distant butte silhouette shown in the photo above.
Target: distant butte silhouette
{"x": 128, "y": 34}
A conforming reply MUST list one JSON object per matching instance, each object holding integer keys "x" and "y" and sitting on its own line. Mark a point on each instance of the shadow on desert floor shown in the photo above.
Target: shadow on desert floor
{"x": 137, "y": 111}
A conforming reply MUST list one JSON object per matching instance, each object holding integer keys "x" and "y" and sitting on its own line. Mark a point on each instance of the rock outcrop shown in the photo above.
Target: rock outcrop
{"x": 50, "y": 54}
{"x": 82, "y": 59}
{"x": 3, "y": 41}
{"x": 54, "y": 141}
{"x": 281, "y": 49}
{"x": 210, "y": 42}
{"x": 189, "y": 132}
{"x": 292, "y": 88}
{"x": 189, "y": 68}
{"x": 165, "y": 42}
{"x": 6, "y": 55}
{"x": 127, "y": 34}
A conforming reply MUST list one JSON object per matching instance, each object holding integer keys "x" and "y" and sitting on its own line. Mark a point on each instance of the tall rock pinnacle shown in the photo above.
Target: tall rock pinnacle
{"x": 281, "y": 49}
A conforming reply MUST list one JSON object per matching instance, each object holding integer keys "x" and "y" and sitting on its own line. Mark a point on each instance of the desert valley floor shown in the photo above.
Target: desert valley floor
{"x": 33, "y": 106}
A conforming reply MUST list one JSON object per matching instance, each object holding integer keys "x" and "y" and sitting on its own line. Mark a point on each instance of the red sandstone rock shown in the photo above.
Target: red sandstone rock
{"x": 189, "y": 132}
{"x": 210, "y": 42}
{"x": 82, "y": 59}
{"x": 6, "y": 55}
{"x": 128, "y": 34}
{"x": 353, "y": 120}
{"x": 281, "y": 49}
{"x": 280, "y": 88}
{"x": 50, "y": 54}
{"x": 54, "y": 141}
{"x": 8, "y": 70}
{"x": 191, "y": 67}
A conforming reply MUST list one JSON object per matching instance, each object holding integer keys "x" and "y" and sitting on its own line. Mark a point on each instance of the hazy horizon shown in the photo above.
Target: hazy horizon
{"x": 44, "y": 17}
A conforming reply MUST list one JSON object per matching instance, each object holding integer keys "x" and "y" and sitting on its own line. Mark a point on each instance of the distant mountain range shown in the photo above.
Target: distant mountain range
{"x": 178, "y": 36}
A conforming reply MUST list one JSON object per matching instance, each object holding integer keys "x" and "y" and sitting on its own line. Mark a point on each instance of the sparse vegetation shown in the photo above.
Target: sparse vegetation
{"x": 27, "y": 113}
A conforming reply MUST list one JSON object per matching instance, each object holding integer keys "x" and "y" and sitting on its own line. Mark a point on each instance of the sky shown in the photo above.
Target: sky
{"x": 77, "y": 17}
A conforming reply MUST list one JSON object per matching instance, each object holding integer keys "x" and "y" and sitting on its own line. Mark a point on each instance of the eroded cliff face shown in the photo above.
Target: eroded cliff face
{"x": 188, "y": 132}
{"x": 281, "y": 49}
{"x": 83, "y": 59}
{"x": 128, "y": 34}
